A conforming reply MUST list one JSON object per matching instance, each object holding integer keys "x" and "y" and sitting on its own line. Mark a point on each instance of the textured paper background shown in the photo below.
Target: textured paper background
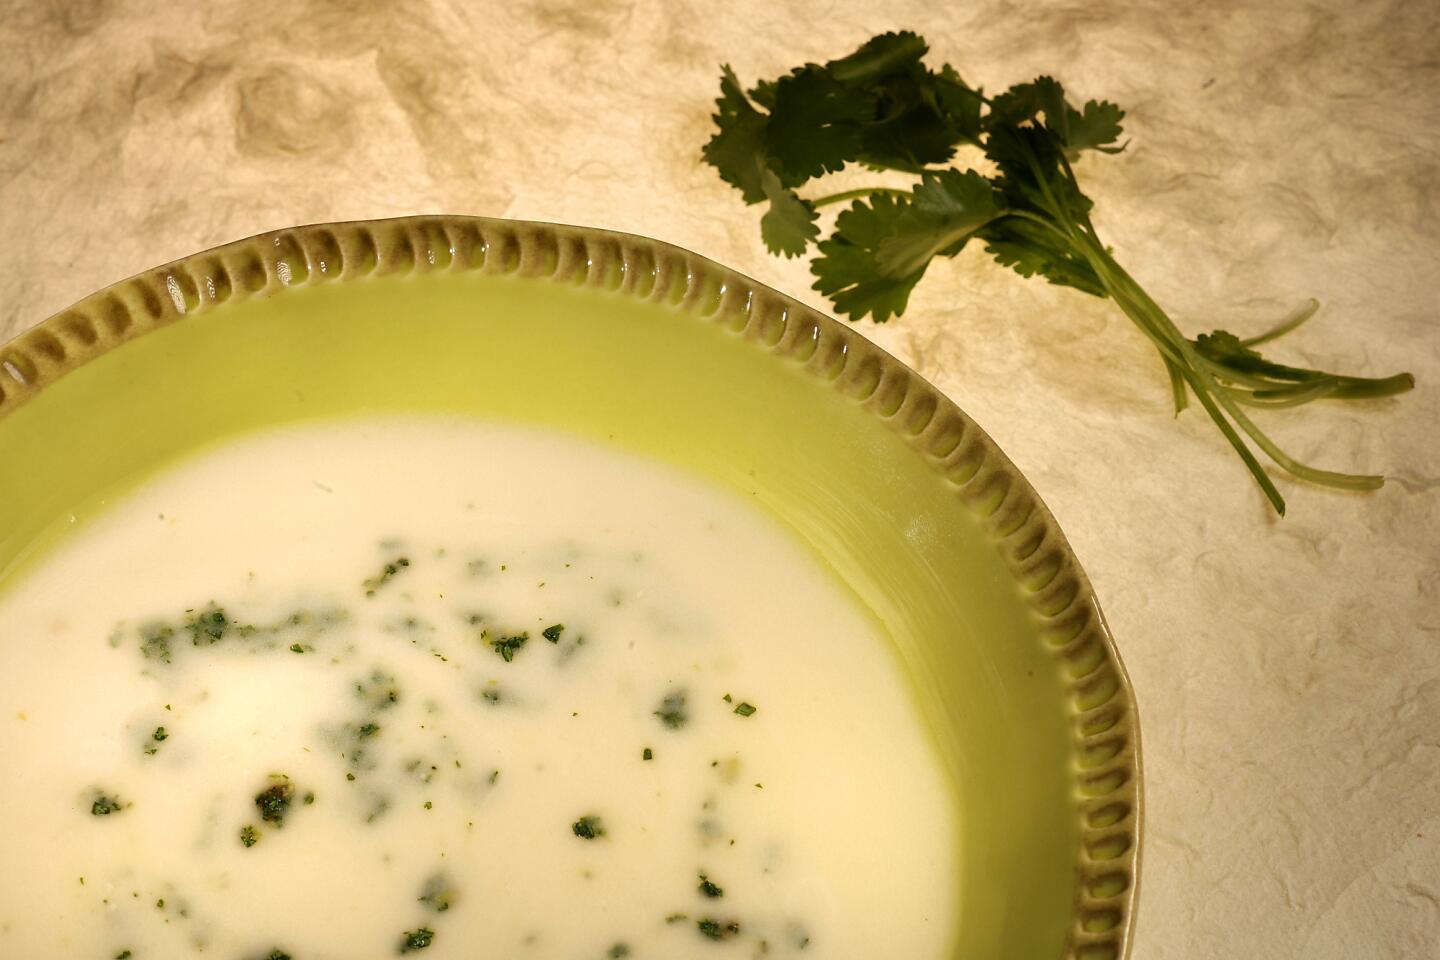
{"x": 1288, "y": 671}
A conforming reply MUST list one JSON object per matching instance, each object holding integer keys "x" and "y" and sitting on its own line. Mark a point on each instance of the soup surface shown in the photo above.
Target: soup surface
{"x": 358, "y": 690}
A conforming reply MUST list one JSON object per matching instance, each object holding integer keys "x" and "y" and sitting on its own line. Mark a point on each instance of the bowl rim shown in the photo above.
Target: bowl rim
{"x": 1104, "y": 720}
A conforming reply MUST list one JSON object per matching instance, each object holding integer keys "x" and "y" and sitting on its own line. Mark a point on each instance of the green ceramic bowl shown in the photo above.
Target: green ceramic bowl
{"x": 659, "y": 351}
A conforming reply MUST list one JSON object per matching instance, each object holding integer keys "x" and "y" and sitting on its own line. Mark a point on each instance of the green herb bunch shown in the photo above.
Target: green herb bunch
{"x": 883, "y": 108}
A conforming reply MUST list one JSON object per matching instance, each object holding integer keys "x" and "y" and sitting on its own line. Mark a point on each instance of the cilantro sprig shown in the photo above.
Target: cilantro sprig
{"x": 883, "y": 108}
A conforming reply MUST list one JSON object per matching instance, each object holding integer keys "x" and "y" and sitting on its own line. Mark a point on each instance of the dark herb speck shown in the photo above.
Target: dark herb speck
{"x": 507, "y": 647}
{"x": 155, "y": 641}
{"x": 105, "y": 805}
{"x": 588, "y": 828}
{"x": 417, "y": 940}
{"x": 274, "y": 802}
{"x": 672, "y": 710}
{"x": 387, "y": 573}
{"x": 209, "y": 626}
{"x": 716, "y": 930}
{"x": 438, "y": 893}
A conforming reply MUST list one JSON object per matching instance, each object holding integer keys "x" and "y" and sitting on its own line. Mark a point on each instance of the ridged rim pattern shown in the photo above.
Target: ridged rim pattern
{"x": 1104, "y": 721}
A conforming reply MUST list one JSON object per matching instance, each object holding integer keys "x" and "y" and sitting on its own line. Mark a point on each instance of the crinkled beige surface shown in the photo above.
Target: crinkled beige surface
{"x": 1288, "y": 671}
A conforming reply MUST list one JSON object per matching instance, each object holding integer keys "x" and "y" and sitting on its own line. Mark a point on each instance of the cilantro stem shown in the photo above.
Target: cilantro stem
{"x": 1179, "y": 398}
{"x": 1141, "y": 312}
{"x": 1206, "y": 389}
{"x": 858, "y": 194}
{"x": 1305, "y": 312}
{"x": 1184, "y": 360}
{"x": 1292, "y": 398}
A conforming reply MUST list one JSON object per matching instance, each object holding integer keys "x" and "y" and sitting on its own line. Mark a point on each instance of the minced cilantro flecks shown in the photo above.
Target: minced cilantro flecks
{"x": 417, "y": 939}
{"x": 672, "y": 711}
{"x": 588, "y": 828}
{"x": 274, "y": 802}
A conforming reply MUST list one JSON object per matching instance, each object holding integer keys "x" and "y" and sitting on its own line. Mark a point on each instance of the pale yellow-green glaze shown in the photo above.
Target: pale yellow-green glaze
{"x": 907, "y": 502}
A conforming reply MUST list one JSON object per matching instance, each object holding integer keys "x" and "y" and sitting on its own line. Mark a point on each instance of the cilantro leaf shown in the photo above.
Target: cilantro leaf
{"x": 1020, "y": 104}
{"x": 737, "y": 149}
{"x": 1094, "y": 128}
{"x": 848, "y": 272}
{"x": 911, "y": 127}
{"x": 1032, "y": 250}
{"x": 879, "y": 252}
{"x": 814, "y": 127}
{"x": 763, "y": 93}
{"x": 880, "y": 56}
{"x": 959, "y": 103}
{"x": 917, "y": 116}
{"x": 788, "y": 226}
{"x": 948, "y": 208}
{"x": 1033, "y": 176}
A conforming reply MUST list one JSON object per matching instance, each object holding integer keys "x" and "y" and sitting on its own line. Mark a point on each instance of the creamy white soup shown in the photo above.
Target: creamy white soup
{"x": 471, "y": 691}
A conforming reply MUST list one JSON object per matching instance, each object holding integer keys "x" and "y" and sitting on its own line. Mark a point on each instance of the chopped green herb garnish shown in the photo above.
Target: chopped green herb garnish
{"x": 745, "y": 709}
{"x": 438, "y": 893}
{"x": 387, "y": 573}
{"x": 672, "y": 710}
{"x": 727, "y": 698}
{"x": 552, "y": 633}
{"x": 709, "y": 889}
{"x": 417, "y": 940}
{"x": 153, "y": 746}
{"x": 124, "y": 955}
{"x": 296, "y": 648}
{"x": 209, "y": 626}
{"x": 648, "y": 754}
{"x": 367, "y": 730}
{"x": 274, "y": 802}
{"x": 588, "y": 828}
{"x": 507, "y": 646}
{"x": 716, "y": 930}
{"x": 155, "y": 641}
{"x": 104, "y": 805}
{"x": 309, "y": 798}
{"x": 677, "y": 918}
{"x": 248, "y": 836}
{"x": 618, "y": 951}
{"x": 379, "y": 690}
{"x": 277, "y": 954}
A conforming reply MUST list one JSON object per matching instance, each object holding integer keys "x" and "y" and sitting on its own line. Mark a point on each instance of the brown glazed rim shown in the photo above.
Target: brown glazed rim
{"x": 1104, "y": 722}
